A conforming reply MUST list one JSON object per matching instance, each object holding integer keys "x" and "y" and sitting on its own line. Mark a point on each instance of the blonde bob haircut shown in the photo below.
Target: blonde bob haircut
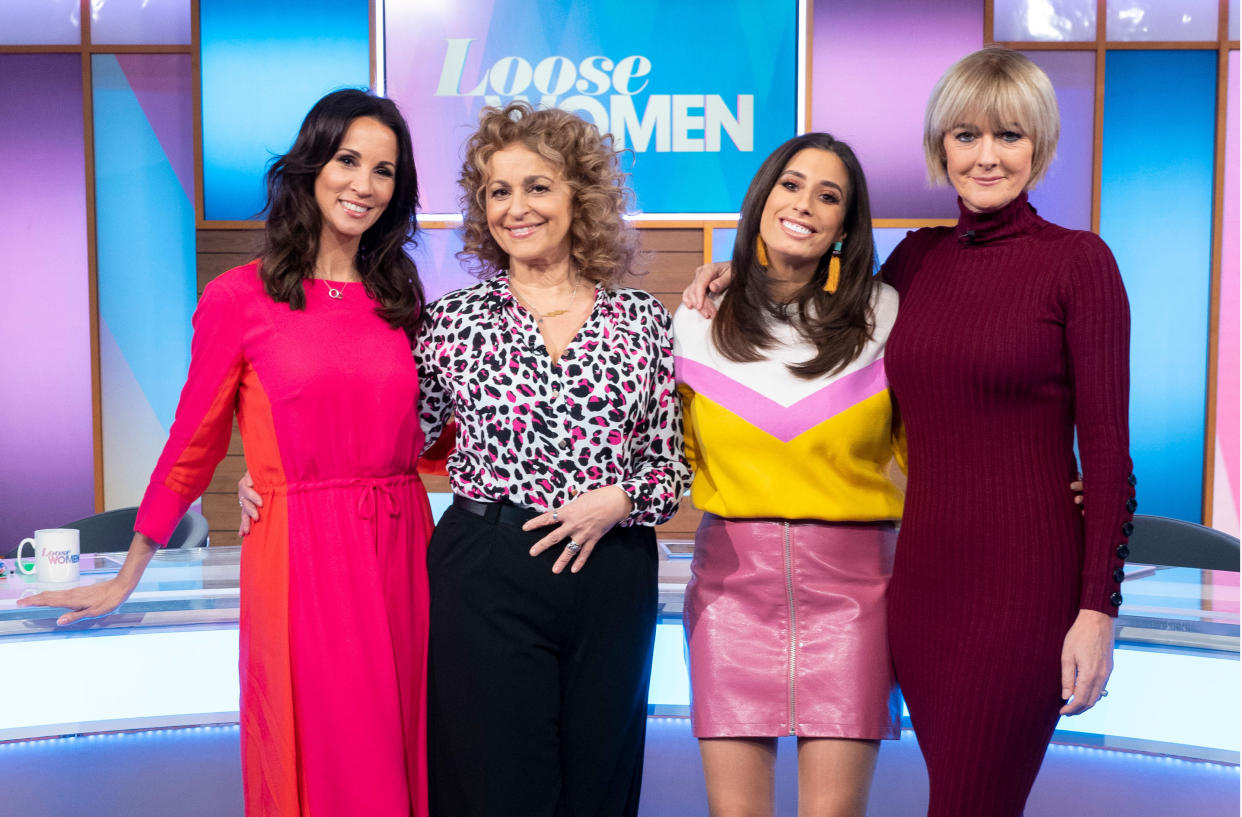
{"x": 1002, "y": 87}
{"x": 602, "y": 245}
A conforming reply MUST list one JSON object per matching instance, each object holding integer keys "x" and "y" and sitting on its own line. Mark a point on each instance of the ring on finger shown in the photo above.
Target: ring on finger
{"x": 555, "y": 518}
{"x": 1103, "y": 693}
{"x": 573, "y": 547}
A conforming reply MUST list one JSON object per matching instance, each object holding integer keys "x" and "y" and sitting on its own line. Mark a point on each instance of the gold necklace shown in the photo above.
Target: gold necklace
{"x": 539, "y": 316}
{"x": 334, "y": 292}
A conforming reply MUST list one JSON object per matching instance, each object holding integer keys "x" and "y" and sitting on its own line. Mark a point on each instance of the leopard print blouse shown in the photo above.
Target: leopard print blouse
{"x": 538, "y": 433}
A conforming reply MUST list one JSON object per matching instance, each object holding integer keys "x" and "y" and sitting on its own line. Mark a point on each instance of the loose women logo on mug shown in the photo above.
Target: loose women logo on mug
{"x": 673, "y": 119}
{"x": 60, "y": 557}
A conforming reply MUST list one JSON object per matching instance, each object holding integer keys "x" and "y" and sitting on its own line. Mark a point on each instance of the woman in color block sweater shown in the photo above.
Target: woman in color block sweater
{"x": 785, "y": 612}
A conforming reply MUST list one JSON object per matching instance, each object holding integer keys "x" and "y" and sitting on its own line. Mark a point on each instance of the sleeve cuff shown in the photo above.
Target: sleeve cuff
{"x": 160, "y": 512}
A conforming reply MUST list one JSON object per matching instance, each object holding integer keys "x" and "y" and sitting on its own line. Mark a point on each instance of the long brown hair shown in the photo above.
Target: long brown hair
{"x": 838, "y": 324}
{"x": 291, "y": 245}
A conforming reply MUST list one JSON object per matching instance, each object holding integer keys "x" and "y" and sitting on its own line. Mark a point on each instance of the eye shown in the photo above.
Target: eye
{"x": 385, "y": 171}
{"x": 498, "y": 193}
{"x": 1009, "y": 136}
{"x": 830, "y": 198}
{"x": 540, "y": 188}
{"x": 346, "y": 160}
{"x": 789, "y": 184}
{"x": 964, "y": 136}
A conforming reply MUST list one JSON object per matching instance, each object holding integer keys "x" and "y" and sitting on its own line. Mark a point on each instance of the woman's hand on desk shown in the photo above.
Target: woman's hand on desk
{"x": 250, "y": 501}
{"x": 582, "y": 521}
{"x": 96, "y": 600}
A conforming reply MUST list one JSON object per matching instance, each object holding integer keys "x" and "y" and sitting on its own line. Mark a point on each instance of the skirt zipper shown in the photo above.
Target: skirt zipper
{"x": 793, "y": 633}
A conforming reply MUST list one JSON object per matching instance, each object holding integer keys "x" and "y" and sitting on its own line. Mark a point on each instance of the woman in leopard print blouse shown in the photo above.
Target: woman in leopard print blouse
{"x": 569, "y": 449}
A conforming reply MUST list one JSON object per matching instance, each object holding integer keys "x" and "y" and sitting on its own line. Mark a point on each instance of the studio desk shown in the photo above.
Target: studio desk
{"x": 168, "y": 657}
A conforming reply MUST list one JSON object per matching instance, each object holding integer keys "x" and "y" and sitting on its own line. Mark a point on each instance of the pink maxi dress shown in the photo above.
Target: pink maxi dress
{"x": 333, "y": 577}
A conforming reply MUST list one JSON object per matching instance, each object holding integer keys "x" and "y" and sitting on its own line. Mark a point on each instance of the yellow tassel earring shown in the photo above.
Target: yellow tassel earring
{"x": 761, "y": 251}
{"x": 834, "y": 270}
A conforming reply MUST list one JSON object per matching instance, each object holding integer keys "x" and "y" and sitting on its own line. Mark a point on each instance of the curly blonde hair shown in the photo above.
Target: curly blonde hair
{"x": 602, "y": 245}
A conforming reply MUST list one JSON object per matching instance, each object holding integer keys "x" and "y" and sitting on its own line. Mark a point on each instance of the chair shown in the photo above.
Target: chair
{"x": 112, "y": 531}
{"x": 1158, "y": 540}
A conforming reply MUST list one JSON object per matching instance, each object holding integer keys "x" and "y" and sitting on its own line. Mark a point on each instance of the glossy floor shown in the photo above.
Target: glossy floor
{"x": 195, "y": 773}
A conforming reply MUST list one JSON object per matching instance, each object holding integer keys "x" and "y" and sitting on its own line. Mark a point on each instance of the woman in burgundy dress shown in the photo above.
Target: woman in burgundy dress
{"x": 1012, "y": 335}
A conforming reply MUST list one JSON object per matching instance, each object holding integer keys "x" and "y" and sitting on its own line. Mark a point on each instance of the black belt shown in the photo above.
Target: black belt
{"x": 494, "y": 512}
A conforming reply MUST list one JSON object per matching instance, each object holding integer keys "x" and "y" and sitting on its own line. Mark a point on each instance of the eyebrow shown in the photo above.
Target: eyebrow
{"x": 1013, "y": 126}
{"x": 824, "y": 182}
{"x": 353, "y": 152}
{"x": 527, "y": 180}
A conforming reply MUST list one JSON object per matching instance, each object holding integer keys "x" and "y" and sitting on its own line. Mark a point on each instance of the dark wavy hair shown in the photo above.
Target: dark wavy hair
{"x": 839, "y": 324}
{"x": 602, "y": 246}
{"x": 294, "y": 221}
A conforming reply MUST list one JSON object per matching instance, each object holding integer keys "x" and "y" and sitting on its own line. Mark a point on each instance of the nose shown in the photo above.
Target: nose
{"x": 517, "y": 203}
{"x": 802, "y": 203}
{"x": 361, "y": 183}
{"x": 987, "y": 150}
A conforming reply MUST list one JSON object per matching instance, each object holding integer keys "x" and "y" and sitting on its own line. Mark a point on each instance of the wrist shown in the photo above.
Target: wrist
{"x": 626, "y": 502}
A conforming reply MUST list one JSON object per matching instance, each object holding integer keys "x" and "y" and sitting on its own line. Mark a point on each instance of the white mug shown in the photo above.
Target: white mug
{"x": 56, "y": 552}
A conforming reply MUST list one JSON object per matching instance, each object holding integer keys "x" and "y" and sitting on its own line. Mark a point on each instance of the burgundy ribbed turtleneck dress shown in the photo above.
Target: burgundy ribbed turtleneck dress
{"x": 1012, "y": 334}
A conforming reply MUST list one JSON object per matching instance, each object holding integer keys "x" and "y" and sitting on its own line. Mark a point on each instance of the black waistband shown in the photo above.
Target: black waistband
{"x": 494, "y": 512}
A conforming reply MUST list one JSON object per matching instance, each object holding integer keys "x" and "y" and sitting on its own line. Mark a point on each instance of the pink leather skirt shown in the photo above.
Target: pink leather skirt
{"x": 786, "y": 627}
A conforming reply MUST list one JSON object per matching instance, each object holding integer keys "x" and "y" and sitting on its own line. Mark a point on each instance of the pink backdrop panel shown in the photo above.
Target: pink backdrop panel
{"x": 874, "y": 65}
{"x": 1227, "y": 477}
{"x": 47, "y": 469}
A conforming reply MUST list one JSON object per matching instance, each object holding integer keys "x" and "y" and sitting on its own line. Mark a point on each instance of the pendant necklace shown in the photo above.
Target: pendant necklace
{"x": 336, "y": 289}
{"x": 539, "y": 316}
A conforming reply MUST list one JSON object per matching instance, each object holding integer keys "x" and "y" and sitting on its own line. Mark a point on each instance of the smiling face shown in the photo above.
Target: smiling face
{"x": 529, "y": 207}
{"x": 357, "y": 183}
{"x": 805, "y": 212}
{"x": 988, "y": 166}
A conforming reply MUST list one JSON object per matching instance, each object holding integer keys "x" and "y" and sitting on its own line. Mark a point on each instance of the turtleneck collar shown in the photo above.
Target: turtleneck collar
{"x": 1016, "y": 218}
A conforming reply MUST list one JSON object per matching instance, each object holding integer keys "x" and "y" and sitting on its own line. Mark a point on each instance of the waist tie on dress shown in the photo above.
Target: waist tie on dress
{"x": 376, "y": 496}
{"x": 373, "y": 495}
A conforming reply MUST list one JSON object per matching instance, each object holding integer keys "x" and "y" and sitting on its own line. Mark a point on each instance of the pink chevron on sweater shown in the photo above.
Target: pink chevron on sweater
{"x": 783, "y": 422}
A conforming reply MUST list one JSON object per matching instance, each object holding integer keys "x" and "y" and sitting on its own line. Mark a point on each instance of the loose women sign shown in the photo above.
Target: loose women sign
{"x": 697, "y": 98}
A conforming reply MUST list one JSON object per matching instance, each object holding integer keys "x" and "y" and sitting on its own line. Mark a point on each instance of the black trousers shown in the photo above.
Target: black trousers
{"x": 537, "y": 682}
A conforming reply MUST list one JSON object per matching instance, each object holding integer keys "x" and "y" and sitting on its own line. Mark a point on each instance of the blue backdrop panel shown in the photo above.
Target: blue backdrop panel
{"x": 697, "y": 94}
{"x": 1156, "y": 215}
{"x": 263, "y": 66}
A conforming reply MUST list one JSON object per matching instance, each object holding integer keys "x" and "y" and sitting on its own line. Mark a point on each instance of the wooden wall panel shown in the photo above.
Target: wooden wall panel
{"x": 669, "y": 256}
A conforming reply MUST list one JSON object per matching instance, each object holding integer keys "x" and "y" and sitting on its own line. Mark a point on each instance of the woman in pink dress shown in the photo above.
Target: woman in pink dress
{"x": 310, "y": 345}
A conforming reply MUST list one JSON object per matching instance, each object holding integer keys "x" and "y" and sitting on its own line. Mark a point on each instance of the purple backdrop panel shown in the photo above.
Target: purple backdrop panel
{"x": 47, "y": 22}
{"x": 141, "y": 22}
{"x": 874, "y": 65}
{"x": 438, "y": 267}
{"x": 164, "y": 89}
{"x": 1163, "y": 20}
{"x": 1041, "y": 20}
{"x": 47, "y": 468}
{"x": 1064, "y": 196}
